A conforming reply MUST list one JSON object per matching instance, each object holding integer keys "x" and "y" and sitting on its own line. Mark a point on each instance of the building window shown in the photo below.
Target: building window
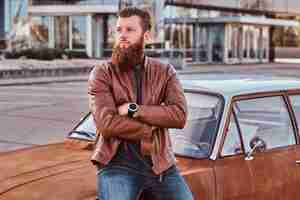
{"x": 110, "y": 33}
{"x": 40, "y": 30}
{"x": 265, "y": 42}
{"x": 234, "y": 41}
{"x": 62, "y": 32}
{"x": 217, "y": 42}
{"x": 78, "y": 32}
{"x": 2, "y": 17}
{"x": 201, "y": 46}
{"x": 15, "y": 11}
{"x": 286, "y": 36}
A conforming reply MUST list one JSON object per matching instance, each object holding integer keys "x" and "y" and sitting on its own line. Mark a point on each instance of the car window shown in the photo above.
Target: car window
{"x": 266, "y": 118}
{"x": 295, "y": 101}
{"x": 232, "y": 144}
{"x": 85, "y": 130}
{"x": 197, "y": 137}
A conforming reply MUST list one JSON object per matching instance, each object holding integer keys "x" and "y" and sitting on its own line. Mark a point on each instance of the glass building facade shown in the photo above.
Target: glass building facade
{"x": 2, "y": 15}
{"x": 14, "y": 10}
{"x": 2, "y": 28}
{"x": 212, "y": 36}
{"x": 196, "y": 31}
{"x": 78, "y": 25}
{"x": 73, "y": 2}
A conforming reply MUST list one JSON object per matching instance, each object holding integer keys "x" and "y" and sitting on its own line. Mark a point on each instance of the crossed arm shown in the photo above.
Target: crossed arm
{"x": 112, "y": 121}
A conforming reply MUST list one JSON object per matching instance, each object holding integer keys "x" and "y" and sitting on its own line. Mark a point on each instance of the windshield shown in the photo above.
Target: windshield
{"x": 197, "y": 137}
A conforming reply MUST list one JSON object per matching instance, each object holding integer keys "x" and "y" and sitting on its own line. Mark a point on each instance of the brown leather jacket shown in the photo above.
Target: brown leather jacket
{"x": 164, "y": 106}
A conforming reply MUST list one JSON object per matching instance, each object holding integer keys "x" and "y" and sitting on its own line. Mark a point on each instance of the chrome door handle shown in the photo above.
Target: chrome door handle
{"x": 298, "y": 162}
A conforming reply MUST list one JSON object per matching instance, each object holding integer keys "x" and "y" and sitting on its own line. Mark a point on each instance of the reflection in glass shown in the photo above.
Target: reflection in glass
{"x": 40, "y": 30}
{"x": 240, "y": 42}
{"x": 260, "y": 44}
{"x": 78, "y": 32}
{"x": 246, "y": 41}
{"x": 217, "y": 40}
{"x": 233, "y": 44}
{"x": 232, "y": 144}
{"x": 251, "y": 42}
{"x": 61, "y": 29}
{"x": 265, "y": 42}
{"x": 13, "y": 9}
{"x": 110, "y": 38}
{"x": 254, "y": 4}
{"x": 203, "y": 43}
{"x": 295, "y": 101}
{"x": 266, "y": 118}
{"x": 197, "y": 137}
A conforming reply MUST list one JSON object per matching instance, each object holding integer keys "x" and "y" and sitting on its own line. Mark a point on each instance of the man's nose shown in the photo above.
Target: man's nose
{"x": 123, "y": 37}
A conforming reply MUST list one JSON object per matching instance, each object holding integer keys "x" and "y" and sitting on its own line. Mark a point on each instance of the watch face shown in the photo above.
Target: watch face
{"x": 132, "y": 107}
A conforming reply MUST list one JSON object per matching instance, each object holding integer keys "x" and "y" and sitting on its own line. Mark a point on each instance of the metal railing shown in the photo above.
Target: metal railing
{"x": 74, "y": 2}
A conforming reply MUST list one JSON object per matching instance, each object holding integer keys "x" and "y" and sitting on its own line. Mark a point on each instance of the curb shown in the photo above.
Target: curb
{"x": 43, "y": 72}
{"x": 43, "y": 80}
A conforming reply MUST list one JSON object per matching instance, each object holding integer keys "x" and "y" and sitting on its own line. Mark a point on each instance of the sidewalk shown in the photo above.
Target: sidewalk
{"x": 25, "y": 72}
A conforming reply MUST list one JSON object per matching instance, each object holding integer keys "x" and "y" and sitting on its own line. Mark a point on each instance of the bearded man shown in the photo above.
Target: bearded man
{"x": 134, "y": 99}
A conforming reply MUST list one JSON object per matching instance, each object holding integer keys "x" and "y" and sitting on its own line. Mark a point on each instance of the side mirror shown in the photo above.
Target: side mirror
{"x": 256, "y": 144}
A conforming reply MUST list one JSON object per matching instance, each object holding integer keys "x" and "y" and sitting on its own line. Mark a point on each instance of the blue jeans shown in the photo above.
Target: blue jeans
{"x": 125, "y": 183}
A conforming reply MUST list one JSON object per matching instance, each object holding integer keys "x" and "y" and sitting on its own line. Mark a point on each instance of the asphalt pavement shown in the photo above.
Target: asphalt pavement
{"x": 40, "y": 114}
{"x": 42, "y": 100}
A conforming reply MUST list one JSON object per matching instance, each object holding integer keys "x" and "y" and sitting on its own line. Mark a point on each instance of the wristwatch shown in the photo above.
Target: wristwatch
{"x": 132, "y": 108}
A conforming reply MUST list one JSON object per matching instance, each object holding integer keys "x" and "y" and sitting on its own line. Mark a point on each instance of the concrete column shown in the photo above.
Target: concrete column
{"x": 89, "y": 35}
{"x": 226, "y": 43}
{"x": 70, "y": 32}
{"x": 195, "y": 42}
{"x": 209, "y": 30}
{"x": 98, "y": 36}
{"x": 51, "y": 42}
{"x": 271, "y": 45}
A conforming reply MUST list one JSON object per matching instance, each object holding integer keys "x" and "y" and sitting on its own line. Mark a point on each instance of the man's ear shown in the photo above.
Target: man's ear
{"x": 148, "y": 37}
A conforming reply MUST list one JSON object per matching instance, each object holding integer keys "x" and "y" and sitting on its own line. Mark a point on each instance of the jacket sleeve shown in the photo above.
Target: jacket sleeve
{"x": 173, "y": 113}
{"x": 102, "y": 105}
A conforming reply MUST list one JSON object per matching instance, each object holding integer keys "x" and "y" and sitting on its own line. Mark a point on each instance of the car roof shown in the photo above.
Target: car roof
{"x": 230, "y": 85}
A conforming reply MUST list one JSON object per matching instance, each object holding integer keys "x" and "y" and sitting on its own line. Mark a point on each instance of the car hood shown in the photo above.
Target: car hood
{"x": 57, "y": 172}
{"x": 47, "y": 172}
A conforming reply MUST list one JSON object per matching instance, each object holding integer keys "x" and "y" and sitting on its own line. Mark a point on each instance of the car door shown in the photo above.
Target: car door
{"x": 294, "y": 99}
{"x": 233, "y": 177}
{"x": 269, "y": 172}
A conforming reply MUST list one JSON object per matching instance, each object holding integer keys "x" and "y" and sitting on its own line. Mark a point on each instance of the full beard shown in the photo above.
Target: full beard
{"x": 126, "y": 58}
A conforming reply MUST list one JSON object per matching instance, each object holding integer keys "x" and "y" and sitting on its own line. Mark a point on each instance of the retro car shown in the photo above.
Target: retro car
{"x": 241, "y": 141}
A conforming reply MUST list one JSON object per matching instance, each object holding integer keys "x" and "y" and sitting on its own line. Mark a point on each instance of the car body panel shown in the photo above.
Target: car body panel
{"x": 200, "y": 176}
{"x": 56, "y": 171}
{"x": 44, "y": 167}
{"x": 260, "y": 181}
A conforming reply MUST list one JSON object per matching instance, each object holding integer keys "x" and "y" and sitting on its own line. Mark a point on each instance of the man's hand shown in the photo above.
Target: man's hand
{"x": 123, "y": 109}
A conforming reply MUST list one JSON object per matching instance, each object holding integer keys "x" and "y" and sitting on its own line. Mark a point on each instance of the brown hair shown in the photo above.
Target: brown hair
{"x": 134, "y": 11}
